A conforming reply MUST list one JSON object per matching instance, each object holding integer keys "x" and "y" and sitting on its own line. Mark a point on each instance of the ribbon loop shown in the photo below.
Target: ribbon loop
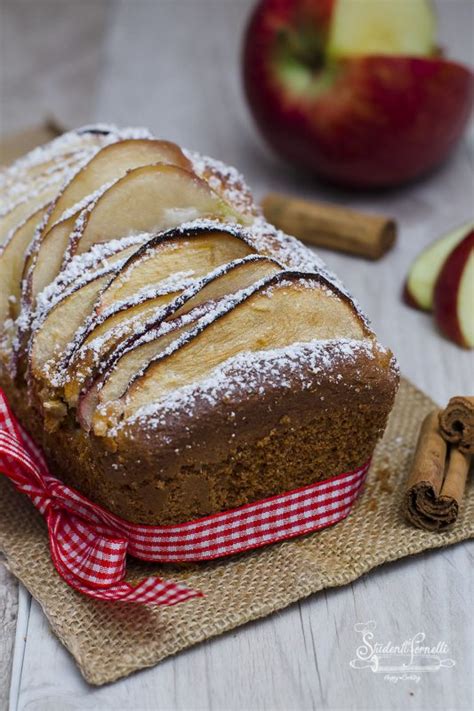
{"x": 89, "y": 555}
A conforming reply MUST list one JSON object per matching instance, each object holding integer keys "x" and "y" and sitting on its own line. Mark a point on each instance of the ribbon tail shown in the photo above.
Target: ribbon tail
{"x": 150, "y": 591}
{"x": 94, "y": 564}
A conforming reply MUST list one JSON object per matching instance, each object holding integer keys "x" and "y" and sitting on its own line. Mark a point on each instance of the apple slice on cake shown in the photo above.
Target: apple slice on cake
{"x": 146, "y": 199}
{"x": 111, "y": 388}
{"x": 108, "y": 336}
{"x": 195, "y": 255}
{"x": 180, "y": 254}
{"x": 42, "y": 267}
{"x": 150, "y": 199}
{"x": 71, "y": 296}
{"x": 111, "y": 163}
{"x": 283, "y": 309}
{"x": 107, "y": 165}
{"x": 11, "y": 265}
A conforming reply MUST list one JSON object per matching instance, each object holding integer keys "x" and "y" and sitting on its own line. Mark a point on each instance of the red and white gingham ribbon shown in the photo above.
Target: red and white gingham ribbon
{"x": 89, "y": 544}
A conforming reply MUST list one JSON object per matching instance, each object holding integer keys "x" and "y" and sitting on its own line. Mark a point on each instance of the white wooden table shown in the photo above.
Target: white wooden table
{"x": 174, "y": 65}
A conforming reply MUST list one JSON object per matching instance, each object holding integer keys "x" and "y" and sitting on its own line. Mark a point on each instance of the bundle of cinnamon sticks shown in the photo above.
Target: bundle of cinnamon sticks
{"x": 441, "y": 466}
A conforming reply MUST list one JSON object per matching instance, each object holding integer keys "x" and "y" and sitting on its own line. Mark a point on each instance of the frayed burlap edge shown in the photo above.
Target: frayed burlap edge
{"x": 111, "y": 640}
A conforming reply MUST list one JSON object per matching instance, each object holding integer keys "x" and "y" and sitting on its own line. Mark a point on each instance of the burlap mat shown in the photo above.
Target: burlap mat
{"x": 111, "y": 640}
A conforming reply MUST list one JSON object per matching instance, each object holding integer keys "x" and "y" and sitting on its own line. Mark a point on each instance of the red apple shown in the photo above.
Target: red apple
{"x": 454, "y": 294}
{"x": 371, "y": 120}
{"x": 420, "y": 284}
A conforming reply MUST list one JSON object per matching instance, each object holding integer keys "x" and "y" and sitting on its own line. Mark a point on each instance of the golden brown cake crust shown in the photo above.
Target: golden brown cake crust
{"x": 261, "y": 423}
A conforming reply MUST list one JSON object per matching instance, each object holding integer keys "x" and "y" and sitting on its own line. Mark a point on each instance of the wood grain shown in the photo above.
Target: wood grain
{"x": 174, "y": 65}
{"x": 8, "y": 614}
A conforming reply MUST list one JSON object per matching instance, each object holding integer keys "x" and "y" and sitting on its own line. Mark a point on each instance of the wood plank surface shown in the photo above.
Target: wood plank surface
{"x": 173, "y": 65}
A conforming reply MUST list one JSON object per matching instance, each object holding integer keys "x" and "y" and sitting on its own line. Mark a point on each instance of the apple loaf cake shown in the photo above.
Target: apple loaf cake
{"x": 173, "y": 353}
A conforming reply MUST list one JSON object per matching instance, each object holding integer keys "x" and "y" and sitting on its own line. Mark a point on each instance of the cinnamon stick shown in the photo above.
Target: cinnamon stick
{"x": 331, "y": 226}
{"x": 437, "y": 479}
{"x": 456, "y": 423}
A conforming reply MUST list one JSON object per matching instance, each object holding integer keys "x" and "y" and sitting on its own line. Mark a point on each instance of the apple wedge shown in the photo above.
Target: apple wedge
{"x": 11, "y": 265}
{"x": 149, "y": 199}
{"x": 454, "y": 294}
{"x": 111, "y": 163}
{"x": 283, "y": 309}
{"x": 107, "y": 337}
{"x": 420, "y": 284}
{"x": 189, "y": 254}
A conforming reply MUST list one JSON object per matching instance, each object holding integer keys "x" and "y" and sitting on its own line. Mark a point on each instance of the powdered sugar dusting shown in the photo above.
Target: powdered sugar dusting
{"x": 84, "y": 267}
{"x": 66, "y": 155}
{"x": 225, "y": 180}
{"x": 254, "y": 373}
{"x": 88, "y": 202}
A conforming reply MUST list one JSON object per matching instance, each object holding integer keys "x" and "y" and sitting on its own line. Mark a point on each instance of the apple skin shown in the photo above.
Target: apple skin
{"x": 409, "y": 299}
{"x": 418, "y": 290}
{"x": 446, "y": 296}
{"x": 380, "y": 121}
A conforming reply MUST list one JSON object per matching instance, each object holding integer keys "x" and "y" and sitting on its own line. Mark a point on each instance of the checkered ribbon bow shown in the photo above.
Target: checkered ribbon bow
{"x": 89, "y": 545}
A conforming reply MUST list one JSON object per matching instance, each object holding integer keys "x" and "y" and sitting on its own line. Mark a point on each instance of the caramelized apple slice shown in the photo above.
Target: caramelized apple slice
{"x": 84, "y": 269}
{"x": 288, "y": 308}
{"x": 149, "y": 199}
{"x": 46, "y": 263}
{"x": 192, "y": 254}
{"x": 133, "y": 359}
{"x": 67, "y": 303}
{"x": 51, "y": 337}
{"x": 101, "y": 341}
{"x": 229, "y": 279}
{"x": 11, "y": 265}
{"x": 70, "y": 313}
{"x": 109, "y": 336}
{"x": 111, "y": 163}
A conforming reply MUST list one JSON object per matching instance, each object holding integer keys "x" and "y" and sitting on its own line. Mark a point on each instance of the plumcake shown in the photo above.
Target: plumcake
{"x": 173, "y": 353}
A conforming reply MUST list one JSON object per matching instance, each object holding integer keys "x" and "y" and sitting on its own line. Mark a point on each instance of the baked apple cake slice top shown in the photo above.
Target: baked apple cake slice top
{"x": 98, "y": 346}
{"x": 274, "y": 312}
{"x": 136, "y": 272}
